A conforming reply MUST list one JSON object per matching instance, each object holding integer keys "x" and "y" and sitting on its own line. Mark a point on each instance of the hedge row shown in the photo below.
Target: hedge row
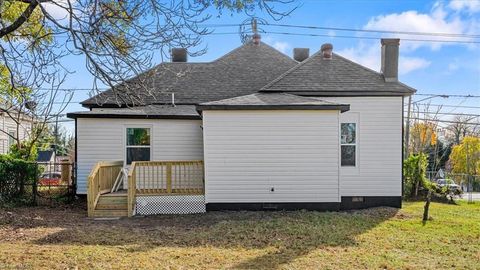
{"x": 18, "y": 181}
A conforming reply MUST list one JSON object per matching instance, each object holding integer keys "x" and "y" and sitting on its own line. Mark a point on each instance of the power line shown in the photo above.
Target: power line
{"x": 346, "y": 36}
{"x": 376, "y": 31}
{"x": 445, "y": 121}
{"x": 450, "y": 95}
{"x": 372, "y": 38}
{"x": 329, "y": 28}
{"x": 442, "y": 113}
{"x": 449, "y": 106}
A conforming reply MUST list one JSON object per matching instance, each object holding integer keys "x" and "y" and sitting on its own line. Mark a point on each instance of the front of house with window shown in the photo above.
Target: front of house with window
{"x": 252, "y": 130}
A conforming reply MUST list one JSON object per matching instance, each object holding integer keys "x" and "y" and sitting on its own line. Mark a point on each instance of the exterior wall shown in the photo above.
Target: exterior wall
{"x": 6, "y": 125}
{"x": 249, "y": 152}
{"x": 379, "y": 148}
{"x": 102, "y": 139}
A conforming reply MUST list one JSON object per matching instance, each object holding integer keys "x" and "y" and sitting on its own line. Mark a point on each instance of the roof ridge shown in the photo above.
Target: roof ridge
{"x": 246, "y": 44}
{"x": 289, "y": 71}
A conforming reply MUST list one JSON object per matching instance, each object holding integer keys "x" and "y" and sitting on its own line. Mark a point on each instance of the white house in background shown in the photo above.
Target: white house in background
{"x": 9, "y": 129}
{"x": 253, "y": 129}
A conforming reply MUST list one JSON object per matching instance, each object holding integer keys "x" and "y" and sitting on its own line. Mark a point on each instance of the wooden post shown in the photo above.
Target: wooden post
{"x": 65, "y": 165}
{"x": 169, "y": 177}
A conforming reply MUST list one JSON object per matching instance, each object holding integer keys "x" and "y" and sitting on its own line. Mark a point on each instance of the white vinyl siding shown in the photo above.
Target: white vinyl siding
{"x": 104, "y": 139}
{"x": 9, "y": 125}
{"x": 249, "y": 152}
{"x": 379, "y": 146}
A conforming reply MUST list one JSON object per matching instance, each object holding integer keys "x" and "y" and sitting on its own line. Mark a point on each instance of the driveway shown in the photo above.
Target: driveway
{"x": 475, "y": 196}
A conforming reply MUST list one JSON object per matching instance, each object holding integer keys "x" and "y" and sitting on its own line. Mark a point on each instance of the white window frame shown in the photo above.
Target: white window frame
{"x": 348, "y": 144}
{"x": 13, "y": 133}
{"x": 125, "y": 137}
{"x": 345, "y": 118}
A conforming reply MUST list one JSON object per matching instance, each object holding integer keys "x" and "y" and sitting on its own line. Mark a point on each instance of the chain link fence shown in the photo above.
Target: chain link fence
{"x": 468, "y": 183}
{"x": 31, "y": 183}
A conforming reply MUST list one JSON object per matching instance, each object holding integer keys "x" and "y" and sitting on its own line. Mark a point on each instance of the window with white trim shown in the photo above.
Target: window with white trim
{"x": 138, "y": 144}
{"x": 348, "y": 144}
{"x": 11, "y": 138}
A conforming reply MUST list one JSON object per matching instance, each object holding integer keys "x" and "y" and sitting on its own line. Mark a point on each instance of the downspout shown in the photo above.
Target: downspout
{"x": 339, "y": 160}
{"x": 75, "y": 158}
{"x": 3, "y": 128}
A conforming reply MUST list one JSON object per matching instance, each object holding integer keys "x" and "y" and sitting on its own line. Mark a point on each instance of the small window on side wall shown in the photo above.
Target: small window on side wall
{"x": 11, "y": 138}
{"x": 348, "y": 144}
{"x": 138, "y": 144}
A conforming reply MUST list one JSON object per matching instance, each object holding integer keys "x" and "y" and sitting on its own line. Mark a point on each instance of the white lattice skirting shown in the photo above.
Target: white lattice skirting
{"x": 174, "y": 204}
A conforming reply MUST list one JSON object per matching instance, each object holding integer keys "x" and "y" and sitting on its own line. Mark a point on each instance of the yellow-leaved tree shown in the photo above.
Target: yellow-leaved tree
{"x": 465, "y": 157}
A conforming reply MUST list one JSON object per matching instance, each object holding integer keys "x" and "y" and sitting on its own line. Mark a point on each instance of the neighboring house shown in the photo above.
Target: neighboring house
{"x": 315, "y": 132}
{"x": 46, "y": 156}
{"x": 9, "y": 130}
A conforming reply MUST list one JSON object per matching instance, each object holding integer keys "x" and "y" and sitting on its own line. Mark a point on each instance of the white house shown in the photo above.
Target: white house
{"x": 13, "y": 127}
{"x": 253, "y": 129}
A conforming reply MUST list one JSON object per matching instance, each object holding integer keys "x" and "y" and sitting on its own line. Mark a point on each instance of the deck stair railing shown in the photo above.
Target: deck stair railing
{"x": 101, "y": 180}
{"x": 164, "y": 178}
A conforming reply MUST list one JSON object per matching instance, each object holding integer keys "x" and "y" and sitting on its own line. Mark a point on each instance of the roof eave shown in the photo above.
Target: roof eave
{"x": 323, "y": 107}
{"x": 343, "y": 93}
{"x": 132, "y": 116}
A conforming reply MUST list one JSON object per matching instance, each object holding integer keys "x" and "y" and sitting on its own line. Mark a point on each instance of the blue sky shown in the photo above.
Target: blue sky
{"x": 443, "y": 68}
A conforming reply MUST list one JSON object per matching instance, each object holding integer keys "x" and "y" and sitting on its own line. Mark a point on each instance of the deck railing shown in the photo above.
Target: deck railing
{"x": 164, "y": 178}
{"x": 100, "y": 181}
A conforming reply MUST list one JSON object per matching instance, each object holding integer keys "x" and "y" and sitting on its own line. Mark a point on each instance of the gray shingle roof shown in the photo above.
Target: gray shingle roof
{"x": 140, "y": 112}
{"x": 272, "y": 101}
{"x": 242, "y": 71}
{"x": 44, "y": 155}
{"x": 334, "y": 77}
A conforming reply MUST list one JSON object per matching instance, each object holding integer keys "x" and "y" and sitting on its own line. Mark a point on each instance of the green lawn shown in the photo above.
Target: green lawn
{"x": 381, "y": 238}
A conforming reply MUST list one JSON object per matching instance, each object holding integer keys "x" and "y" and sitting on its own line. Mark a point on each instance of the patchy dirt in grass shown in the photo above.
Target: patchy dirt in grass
{"x": 63, "y": 237}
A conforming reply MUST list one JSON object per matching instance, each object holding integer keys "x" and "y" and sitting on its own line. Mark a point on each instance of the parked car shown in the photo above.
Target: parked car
{"x": 449, "y": 184}
{"x": 50, "y": 178}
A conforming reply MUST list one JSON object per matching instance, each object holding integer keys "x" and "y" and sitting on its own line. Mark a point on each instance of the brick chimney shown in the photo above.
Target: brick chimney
{"x": 300, "y": 54}
{"x": 179, "y": 55}
{"x": 390, "y": 48}
{"x": 327, "y": 51}
{"x": 256, "y": 38}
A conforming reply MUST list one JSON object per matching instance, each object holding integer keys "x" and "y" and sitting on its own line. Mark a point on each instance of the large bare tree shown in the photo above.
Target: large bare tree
{"x": 117, "y": 38}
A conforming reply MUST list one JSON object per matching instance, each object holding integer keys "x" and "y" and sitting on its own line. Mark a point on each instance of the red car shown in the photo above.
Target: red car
{"x": 50, "y": 179}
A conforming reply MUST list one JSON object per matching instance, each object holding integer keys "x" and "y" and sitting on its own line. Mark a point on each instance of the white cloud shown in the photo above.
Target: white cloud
{"x": 470, "y": 6}
{"x": 369, "y": 55}
{"x": 58, "y": 9}
{"x": 277, "y": 44}
{"x": 438, "y": 20}
{"x": 408, "y": 64}
{"x": 281, "y": 46}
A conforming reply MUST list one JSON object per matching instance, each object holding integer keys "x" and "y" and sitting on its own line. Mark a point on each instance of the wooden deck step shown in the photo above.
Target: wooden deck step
{"x": 110, "y": 213}
{"x": 112, "y": 205}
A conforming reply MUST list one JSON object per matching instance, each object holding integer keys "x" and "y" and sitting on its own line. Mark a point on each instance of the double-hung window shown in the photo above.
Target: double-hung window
{"x": 138, "y": 145}
{"x": 348, "y": 144}
{"x": 11, "y": 138}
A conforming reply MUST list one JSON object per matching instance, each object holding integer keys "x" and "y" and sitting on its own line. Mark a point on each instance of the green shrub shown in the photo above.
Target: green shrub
{"x": 18, "y": 180}
{"x": 27, "y": 151}
{"x": 414, "y": 171}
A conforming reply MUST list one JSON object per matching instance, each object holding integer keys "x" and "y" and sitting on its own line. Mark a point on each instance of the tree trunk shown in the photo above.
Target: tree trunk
{"x": 417, "y": 185}
{"x": 427, "y": 206}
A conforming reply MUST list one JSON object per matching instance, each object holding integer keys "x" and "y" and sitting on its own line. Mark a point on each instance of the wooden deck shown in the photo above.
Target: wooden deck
{"x": 148, "y": 178}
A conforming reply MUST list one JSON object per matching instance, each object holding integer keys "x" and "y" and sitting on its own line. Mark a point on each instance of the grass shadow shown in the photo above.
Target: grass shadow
{"x": 288, "y": 235}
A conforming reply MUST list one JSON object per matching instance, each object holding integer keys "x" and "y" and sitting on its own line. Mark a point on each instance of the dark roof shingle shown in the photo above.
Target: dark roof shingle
{"x": 240, "y": 72}
{"x": 141, "y": 112}
{"x": 44, "y": 155}
{"x": 337, "y": 76}
{"x": 272, "y": 101}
